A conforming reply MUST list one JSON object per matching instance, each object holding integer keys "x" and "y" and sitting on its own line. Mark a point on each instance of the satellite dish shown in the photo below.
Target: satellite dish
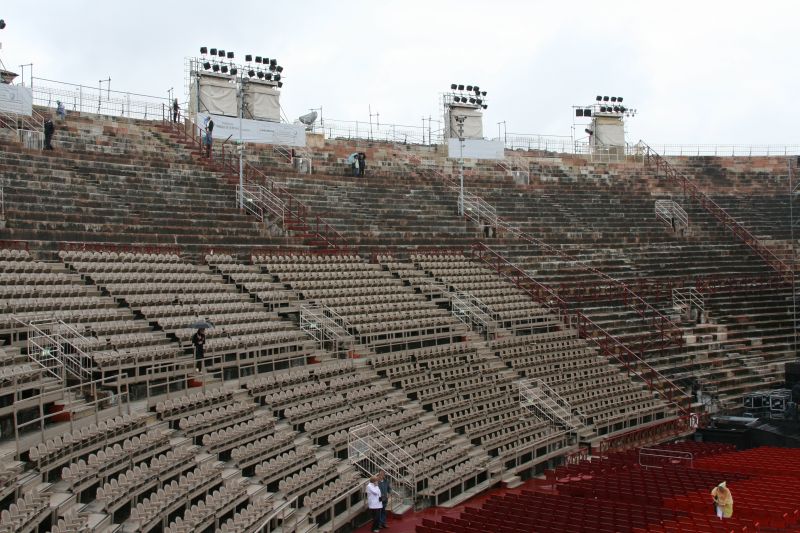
{"x": 308, "y": 119}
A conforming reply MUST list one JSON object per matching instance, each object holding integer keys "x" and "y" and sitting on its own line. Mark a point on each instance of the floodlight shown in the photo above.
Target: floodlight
{"x": 453, "y": 86}
{"x": 234, "y": 71}
{"x": 613, "y": 98}
{"x": 206, "y": 65}
{"x": 602, "y": 109}
{"x": 272, "y": 67}
{"x": 279, "y": 68}
{"x": 203, "y": 50}
{"x": 215, "y": 68}
{"x": 579, "y": 112}
{"x": 587, "y": 112}
{"x": 619, "y": 98}
{"x": 258, "y": 59}
{"x": 273, "y": 62}
{"x": 251, "y": 73}
{"x": 230, "y": 55}
{"x": 478, "y": 100}
{"x": 599, "y": 98}
{"x": 268, "y": 76}
{"x": 587, "y": 130}
{"x": 477, "y": 89}
{"x": 616, "y": 109}
{"x": 605, "y": 98}
{"x": 222, "y": 53}
{"x": 484, "y": 106}
{"x": 213, "y": 51}
{"x": 469, "y": 88}
{"x": 224, "y": 69}
{"x": 471, "y": 100}
{"x": 248, "y": 57}
{"x": 2, "y": 24}
{"x": 456, "y": 99}
{"x": 309, "y": 118}
{"x": 622, "y": 109}
{"x": 260, "y": 75}
{"x": 483, "y": 93}
{"x": 460, "y": 87}
{"x": 277, "y": 77}
{"x": 265, "y": 60}
{"x": 280, "y": 84}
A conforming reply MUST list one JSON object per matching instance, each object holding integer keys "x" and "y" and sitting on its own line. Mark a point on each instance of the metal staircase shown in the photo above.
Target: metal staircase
{"x": 56, "y": 347}
{"x": 684, "y": 299}
{"x": 371, "y": 451}
{"x": 472, "y": 312}
{"x": 546, "y": 404}
{"x": 327, "y": 327}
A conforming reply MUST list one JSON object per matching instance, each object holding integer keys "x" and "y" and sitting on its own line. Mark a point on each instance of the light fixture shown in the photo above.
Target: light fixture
{"x": 478, "y": 101}
{"x": 587, "y": 112}
{"x": 224, "y": 69}
{"x": 477, "y": 89}
{"x": 579, "y": 112}
{"x": 258, "y": 59}
{"x": 206, "y": 65}
{"x": 280, "y": 84}
{"x": 453, "y": 86}
{"x": 248, "y": 57}
{"x": 213, "y": 51}
{"x": 222, "y": 53}
{"x": 599, "y": 98}
{"x": 484, "y": 106}
{"x": 273, "y": 62}
{"x": 215, "y": 68}
{"x": 279, "y": 68}
{"x": 234, "y": 71}
{"x": 619, "y": 99}
{"x": 483, "y": 93}
{"x": 260, "y": 75}
{"x": 587, "y": 130}
{"x": 251, "y": 73}
{"x": 471, "y": 100}
{"x": 272, "y": 67}
{"x": 277, "y": 77}
{"x": 460, "y": 87}
{"x": 230, "y": 55}
{"x": 605, "y": 98}
{"x": 2, "y": 24}
{"x": 203, "y": 50}
{"x": 268, "y": 76}
{"x": 456, "y": 99}
{"x": 469, "y": 88}
{"x": 613, "y": 98}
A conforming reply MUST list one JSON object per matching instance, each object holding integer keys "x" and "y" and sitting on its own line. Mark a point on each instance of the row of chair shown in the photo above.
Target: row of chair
{"x": 203, "y": 513}
{"x": 25, "y": 514}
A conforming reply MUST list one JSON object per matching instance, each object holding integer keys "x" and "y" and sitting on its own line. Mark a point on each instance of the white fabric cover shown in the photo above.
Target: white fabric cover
{"x": 262, "y": 102}
{"x": 609, "y": 132}
{"x": 476, "y": 149}
{"x": 217, "y": 96}
{"x": 473, "y": 122}
{"x": 16, "y": 99}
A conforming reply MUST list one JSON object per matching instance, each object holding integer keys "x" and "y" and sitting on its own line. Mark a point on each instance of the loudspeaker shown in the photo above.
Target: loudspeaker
{"x": 792, "y": 373}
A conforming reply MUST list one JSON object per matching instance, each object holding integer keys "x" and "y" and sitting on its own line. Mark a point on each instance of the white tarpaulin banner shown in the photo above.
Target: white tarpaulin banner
{"x": 473, "y": 122}
{"x": 16, "y": 99}
{"x": 609, "y": 132}
{"x": 218, "y": 96}
{"x": 476, "y": 149}
{"x": 256, "y": 131}
{"x": 262, "y": 102}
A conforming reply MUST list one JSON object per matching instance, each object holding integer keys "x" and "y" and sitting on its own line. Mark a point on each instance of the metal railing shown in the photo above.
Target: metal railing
{"x": 325, "y": 325}
{"x": 370, "y": 450}
{"x": 394, "y": 133}
{"x": 727, "y": 150}
{"x": 671, "y": 213}
{"x": 660, "y": 457}
{"x": 687, "y": 298}
{"x": 649, "y": 435}
{"x": 54, "y": 345}
{"x": 609, "y": 345}
{"x": 259, "y": 201}
{"x": 85, "y": 99}
{"x": 691, "y": 190}
{"x": 536, "y": 397}
{"x": 465, "y": 307}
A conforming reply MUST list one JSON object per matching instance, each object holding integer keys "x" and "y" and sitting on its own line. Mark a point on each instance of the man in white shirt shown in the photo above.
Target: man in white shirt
{"x": 374, "y": 503}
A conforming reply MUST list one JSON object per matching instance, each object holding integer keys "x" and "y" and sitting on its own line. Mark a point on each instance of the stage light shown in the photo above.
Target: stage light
{"x": 273, "y": 62}
{"x": 469, "y": 87}
{"x": 478, "y": 101}
{"x": 272, "y": 67}
{"x": 619, "y": 99}
{"x": 268, "y": 76}
{"x": 602, "y": 109}
{"x": 277, "y": 77}
{"x": 234, "y": 71}
{"x": 280, "y": 84}
{"x": 251, "y": 73}
{"x": 265, "y": 60}
{"x": 279, "y": 68}
{"x": 215, "y": 68}
{"x": 203, "y": 50}
{"x": 248, "y": 57}
{"x": 456, "y": 99}
{"x": 484, "y": 106}
{"x": 224, "y": 69}
{"x": 483, "y": 93}
{"x": 260, "y": 75}
{"x": 605, "y": 98}
{"x": 258, "y": 59}
{"x": 587, "y": 112}
{"x": 471, "y": 100}
{"x": 599, "y": 98}
{"x": 579, "y": 112}
{"x": 2, "y": 24}
{"x": 622, "y": 109}
{"x": 230, "y": 55}
{"x": 613, "y": 98}
{"x": 206, "y": 65}
{"x": 453, "y": 86}
{"x": 222, "y": 53}
{"x": 213, "y": 51}
{"x": 616, "y": 109}
{"x": 460, "y": 87}
{"x": 477, "y": 89}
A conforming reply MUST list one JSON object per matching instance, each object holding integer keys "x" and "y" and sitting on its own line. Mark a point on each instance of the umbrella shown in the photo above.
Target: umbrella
{"x": 201, "y": 324}
{"x": 352, "y": 158}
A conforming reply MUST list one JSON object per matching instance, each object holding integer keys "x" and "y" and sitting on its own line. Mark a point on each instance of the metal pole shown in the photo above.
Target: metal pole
{"x": 793, "y": 260}
{"x": 241, "y": 151}
{"x": 461, "y": 167}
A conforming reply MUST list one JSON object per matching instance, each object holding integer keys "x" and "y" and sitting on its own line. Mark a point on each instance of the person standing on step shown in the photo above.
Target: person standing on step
{"x": 209, "y": 136}
{"x": 199, "y": 342}
{"x": 723, "y": 501}
{"x": 60, "y": 111}
{"x": 49, "y": 129}
{"x": 374, "y": 503}
{"x": 386, "y": 492}
{"x": 362, "y": 164}
{"x": 175, "y": 109}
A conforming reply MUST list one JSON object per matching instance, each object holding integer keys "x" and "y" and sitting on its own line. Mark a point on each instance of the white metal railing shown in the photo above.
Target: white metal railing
{"x": 324, "y": 325}
{"x": 726, "y": 150}
{"x": 284, "y": 517}
{"x": 465, "y": 309}
{"x": 687, "y": 298}
{"x": 56, "y": 347}
{"x": 672, "y": 213}
{"x": 370, "y": 450}
{"x": 656, "y": 458}
{"x": 395, "y": 133}
{"x": 259, "y": 201}
{"x": 539, "y": 399}
{"x": 544, "y": 143}
{"x": 85, "y": 99}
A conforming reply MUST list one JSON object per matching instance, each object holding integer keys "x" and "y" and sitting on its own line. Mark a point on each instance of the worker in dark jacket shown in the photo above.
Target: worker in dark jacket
{"x": 49, "y": 129}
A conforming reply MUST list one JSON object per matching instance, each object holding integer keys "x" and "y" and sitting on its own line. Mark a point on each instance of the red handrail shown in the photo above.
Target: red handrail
{"x": 722, "y": 216}
{"x": 649, "y": 435}
{"x": 609, "y": 345}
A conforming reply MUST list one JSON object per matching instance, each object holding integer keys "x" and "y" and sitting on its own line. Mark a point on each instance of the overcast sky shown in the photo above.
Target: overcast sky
{"x": 718, "y": 72}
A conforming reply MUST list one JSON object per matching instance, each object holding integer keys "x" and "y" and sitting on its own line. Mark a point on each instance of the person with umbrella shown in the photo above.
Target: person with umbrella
{"x": 354, "y": 161}
{"x": 199, "y": 342}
